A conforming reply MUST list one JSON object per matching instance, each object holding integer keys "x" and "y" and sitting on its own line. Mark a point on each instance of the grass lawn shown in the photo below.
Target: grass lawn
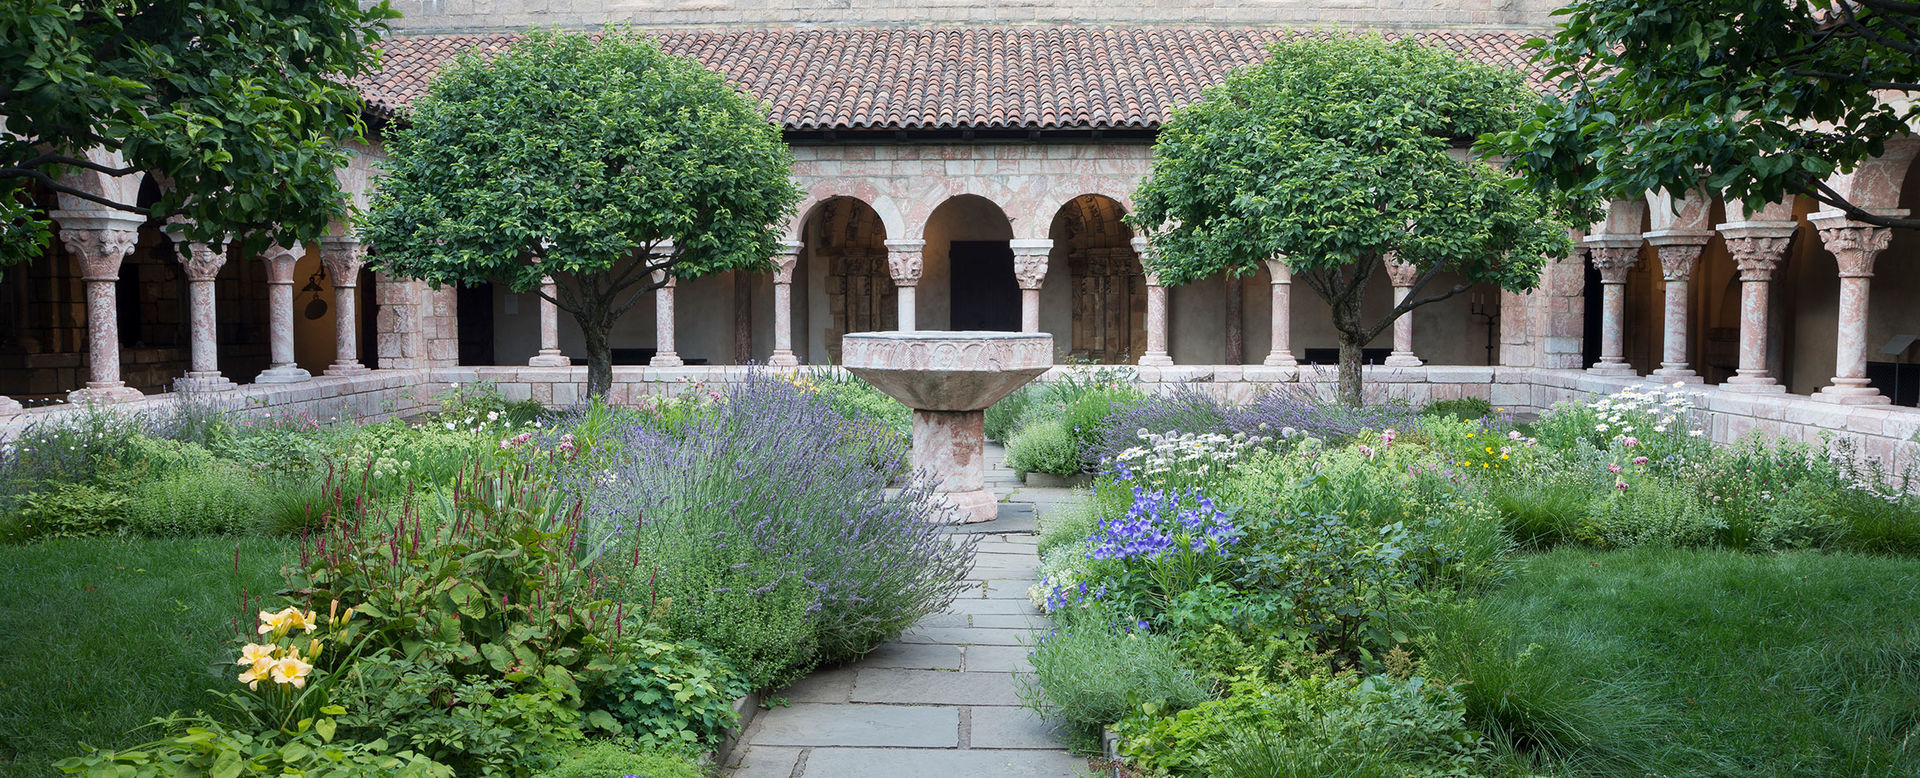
{"x": 1801, "y": 664}
{"x": 98, "y": 636}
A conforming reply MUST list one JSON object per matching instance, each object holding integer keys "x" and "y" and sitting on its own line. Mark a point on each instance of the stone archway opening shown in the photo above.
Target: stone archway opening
{"x": 846, "y": 237}
{"x": 1107, "y": 287}
{"x": 969, "y": 256}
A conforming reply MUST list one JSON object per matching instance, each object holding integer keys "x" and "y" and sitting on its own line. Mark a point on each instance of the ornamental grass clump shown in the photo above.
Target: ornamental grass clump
{"x": 761, "y": 531}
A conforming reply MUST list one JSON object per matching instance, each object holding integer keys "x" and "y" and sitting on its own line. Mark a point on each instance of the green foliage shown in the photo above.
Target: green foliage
{"x": 475, "y": 724}
{"x": 245, "y": 106}
{"x": 568, "y": 155}
{"x": 1544, "y": 506}
{"x": 1090, "y": 674}
{"x": 209, "y": 499}
{"x": 1651, "y": 97}
{"x": 1336, "y": 152}
{"x": 1046, "y": 446}
{"x": 1003, "y": 415}
{"x": 64, "y": 511}
{"x": 606, "y": 759}
{"x": 1463, "y": 409}
{"x": 880, "y": 424}
{"x": 205, "y": 746}
{"x": 1651, "y": 511}
{"x": 1336, "y": 725}
{"x": 673, "y": 696}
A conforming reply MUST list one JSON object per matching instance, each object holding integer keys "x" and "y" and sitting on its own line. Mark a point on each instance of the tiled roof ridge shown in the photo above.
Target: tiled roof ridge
{"x": 1027, "y": 76}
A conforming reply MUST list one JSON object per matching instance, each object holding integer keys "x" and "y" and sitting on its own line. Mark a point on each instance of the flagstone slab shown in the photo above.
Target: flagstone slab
{"x": 842, "y": 724}
{"x": 934, "y": 687}
{"x": 921, "y": 763}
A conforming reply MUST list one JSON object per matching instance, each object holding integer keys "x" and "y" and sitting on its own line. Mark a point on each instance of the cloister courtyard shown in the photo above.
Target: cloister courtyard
{"x": 830, "y": 390}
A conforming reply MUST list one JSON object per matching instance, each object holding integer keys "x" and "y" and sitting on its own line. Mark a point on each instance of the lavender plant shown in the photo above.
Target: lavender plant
{"x": 760, "y": 529}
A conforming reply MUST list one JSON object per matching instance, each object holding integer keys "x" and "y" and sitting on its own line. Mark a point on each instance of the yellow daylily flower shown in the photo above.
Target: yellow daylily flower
{"x": 291, "y": 670}
{"x": 255, "y": 653}
{"x": 258, "y": 672}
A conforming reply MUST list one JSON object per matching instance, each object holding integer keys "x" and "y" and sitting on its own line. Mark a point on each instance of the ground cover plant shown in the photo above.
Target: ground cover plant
{"x": 1594, "y": 593}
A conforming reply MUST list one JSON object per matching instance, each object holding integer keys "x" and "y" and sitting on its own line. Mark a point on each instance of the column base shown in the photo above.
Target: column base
{"x": 1611, "y": 369}
{"x": 783, "y": 359}
{"x": 347, "y": 369}
{"x": 1671, "y": 374}
{"x": 116, "y": 392}
{"x": 1402, "y": 359}
{"x": 668, "y": 359}
{"x": 210, "y": 381}
{"x": 1151, "y": 359}
{"x": 972, "y": 507}
{"x": 549, "y": 360}
{"x": 1851, "y": 391}
{"x": 285, "y": 374}
{"x": 10, "y": 406}
{"x": 1282, "y": 359}
{"x": 1753, "y": 384}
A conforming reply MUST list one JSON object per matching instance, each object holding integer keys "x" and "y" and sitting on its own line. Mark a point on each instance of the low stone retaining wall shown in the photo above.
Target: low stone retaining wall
{"x": 372, "y": 396}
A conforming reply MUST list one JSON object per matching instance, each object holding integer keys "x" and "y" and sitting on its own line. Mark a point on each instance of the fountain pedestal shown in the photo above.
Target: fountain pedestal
{"x": 949, "y": 379}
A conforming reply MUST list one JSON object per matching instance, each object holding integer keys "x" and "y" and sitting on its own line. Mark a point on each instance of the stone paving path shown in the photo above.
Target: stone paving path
{"x": 940, "y": 701}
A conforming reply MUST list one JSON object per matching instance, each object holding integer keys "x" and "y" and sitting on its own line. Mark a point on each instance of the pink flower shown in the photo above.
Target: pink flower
{"x": 1613, "y": 468}
{"x": 1639, "y": 460}
{"x": 1387, "y": 436}
{"x": 1630, "y": 441}
{"x": 1621, "y": 485}
{"x": 1366, "y": 450}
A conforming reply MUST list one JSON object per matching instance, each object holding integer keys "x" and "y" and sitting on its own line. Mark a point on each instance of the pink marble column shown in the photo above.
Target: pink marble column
{"x": 1614, "y": 256}
{"x": 1156, "y": 354}
{"x": 664, "y": 354}
{"x": 100, "y": 241}
{"x": 1679, "y": 254}
{"x": 1402, "y": 275}
{"x": 1855, "y": 245}
{"x": 904, "y": 263}
{"x": 1758, "y": 248}
{"x": 280, "y": 262}
{"x": 202, "y": 264}
{"x": 1030, "y": 271}
{"x": 549, "y": 354}
{"x": 343, "y": 256}
{"x": 1279, "y": 353}
{"x": 783, "y": 264}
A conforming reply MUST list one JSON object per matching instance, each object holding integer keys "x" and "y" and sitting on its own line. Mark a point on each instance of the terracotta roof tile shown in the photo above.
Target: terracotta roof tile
{"x": 1025, "y": 77}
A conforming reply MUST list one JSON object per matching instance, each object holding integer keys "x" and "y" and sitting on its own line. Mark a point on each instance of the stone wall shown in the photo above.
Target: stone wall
{"x": 444, "y": 15}
{"x": 373, "y": 396}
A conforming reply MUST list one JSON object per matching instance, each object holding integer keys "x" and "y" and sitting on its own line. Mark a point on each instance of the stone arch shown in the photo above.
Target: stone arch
{"x": 1105, "y": 289}
{"x": 967, "y": 279}
{"x": 883, "y": 207}
{"x": 845, "y": 243}
{"x": 1876, "y": 183}
{"x": 120, "y": 189}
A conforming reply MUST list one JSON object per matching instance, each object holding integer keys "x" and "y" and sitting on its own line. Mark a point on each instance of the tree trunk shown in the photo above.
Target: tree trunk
{"x": 599, "y": 359}
{"x": 1350, "y": 358}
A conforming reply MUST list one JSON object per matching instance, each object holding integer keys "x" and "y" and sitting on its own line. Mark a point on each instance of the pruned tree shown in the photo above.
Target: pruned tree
{"x": 242, "y": 105}
{"x": 596, "y": 160}
{"x": 1758, "y": 99}
{"x": 1337, "y": 154}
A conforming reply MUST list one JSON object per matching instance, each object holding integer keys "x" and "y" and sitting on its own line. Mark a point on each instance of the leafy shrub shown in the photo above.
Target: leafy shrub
{"x": 478, "y": 725}
{"x": 66, "y": 510}
{"x": 1046, "y": 446}
{"x": 1091, "y": 673}
{"x": 1165, "y": 545}
{"x": 206, "y": 746}
{"x": 1003, "y": 415}
{"x": 470, "y": 405}
{"x": 72, "y": 448}
{"x": 1657, "y": 423}
{"x": 1182, "y": 460}
{"x": 1185, "y": 409}
{"x": 674, "y": 696}
{"x": 208, "y": 499}
{"x": 1651, "y": 510}
{"x": 606, "y": 759}
{"x": 1085, "y": 414}
{"x": 1543, "y": 507}
{"x": 760, "y": 536}
{"x": 1460, "y": 409}
{"x": 1339, "y": 724}
{"x": 1069, "y": 522}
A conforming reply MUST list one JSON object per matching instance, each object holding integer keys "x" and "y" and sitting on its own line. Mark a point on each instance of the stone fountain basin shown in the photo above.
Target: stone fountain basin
{"x": 947, "y": 371}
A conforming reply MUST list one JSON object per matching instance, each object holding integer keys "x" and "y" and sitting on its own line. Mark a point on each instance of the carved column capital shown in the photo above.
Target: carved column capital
{"x": 1758, "y": 247}
{"x": 1853, "y": 244}
{"x": 784, "y": 260}
{"x": 904, "y": 261}
{"x": 100, "y": 240}
{"x": 280, "y": 262}
{"x": 1613, "y": 256}
{"x": 1679, "y": 251}
{"x": 1279, "y": 270}
{"x": 1401, "y": 273}
{"x": 668, "y": 280}
{"x": 343, "y": 256}
{"x": 1030, "y": 261}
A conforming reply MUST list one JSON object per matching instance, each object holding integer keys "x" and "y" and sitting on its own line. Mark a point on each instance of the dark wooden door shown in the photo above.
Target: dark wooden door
{"x": 984, "y": 293}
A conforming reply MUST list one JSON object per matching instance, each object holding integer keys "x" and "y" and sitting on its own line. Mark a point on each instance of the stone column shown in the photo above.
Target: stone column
{"x": 202, "y": 264}
{"x": 1030, "y": 271}
{"x": 1156, "y": 354}
{"x": 1679, "y": 255}
{"x": 663, "y": 321}
{"x": 1855, "y": 245}
{"x": 783, "y": 264}
{"x": 1758, "y": 248}
{"x": 549, "y": 354}
{"x": 1280, "y": 352}
{"x": 100, "y": 241}
{"x": 1614, "y": 256}
{"x": 343, "y": 255}
{"x": 280, "y": 262}
{"x": 1402, "y": 275}
{"x": 904, "y": 263}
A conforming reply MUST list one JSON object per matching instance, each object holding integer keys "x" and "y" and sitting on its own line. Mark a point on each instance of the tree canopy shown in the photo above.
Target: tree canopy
{"x": 596, "y": 160}
{"x": 241, "y": 104}
{"x": 1758, "y": 100}
{"x": 1335, "y": 154}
